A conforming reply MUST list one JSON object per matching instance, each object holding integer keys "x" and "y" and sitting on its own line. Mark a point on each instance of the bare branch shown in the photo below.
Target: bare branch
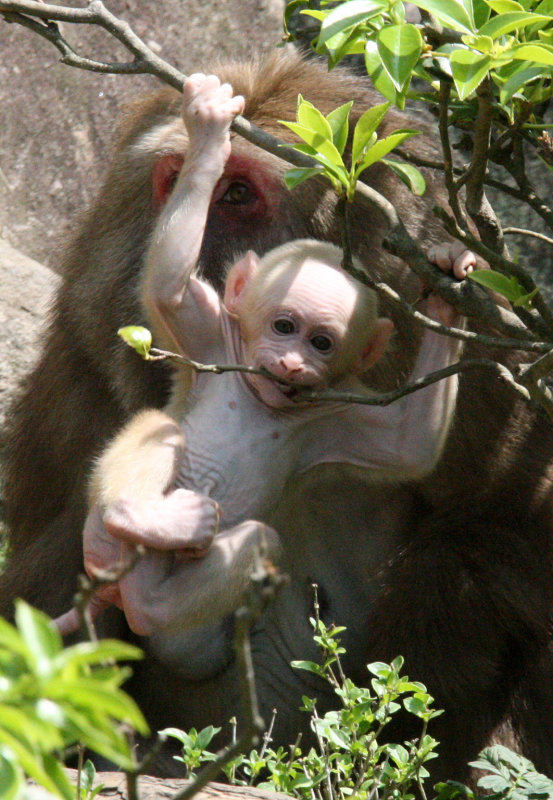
{"x": 524, "y": 232}
{"x": 477, "y": 203}
{"x": 385, "y": 398}
{"x": 452, "y": 189}
{"x": 101, "y": 577}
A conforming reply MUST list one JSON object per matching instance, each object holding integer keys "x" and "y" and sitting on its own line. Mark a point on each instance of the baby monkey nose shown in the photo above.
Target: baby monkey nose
{"x": 291, "y": 363}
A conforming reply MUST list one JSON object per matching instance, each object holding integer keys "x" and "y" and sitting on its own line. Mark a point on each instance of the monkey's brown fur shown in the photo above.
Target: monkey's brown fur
{"x": 454, "y": 574}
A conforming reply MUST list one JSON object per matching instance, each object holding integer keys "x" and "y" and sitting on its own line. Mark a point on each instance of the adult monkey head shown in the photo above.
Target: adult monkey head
{"x": 455, "y": 586}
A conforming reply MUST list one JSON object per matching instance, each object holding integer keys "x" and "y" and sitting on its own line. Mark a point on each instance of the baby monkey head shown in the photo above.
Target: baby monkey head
{"x": 303, "y": 318}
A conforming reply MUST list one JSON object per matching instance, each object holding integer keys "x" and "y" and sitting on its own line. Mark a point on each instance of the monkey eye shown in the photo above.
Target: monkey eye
{"x": 283, "y": 326}
{"x": 238, "y": 194}
{"x": 322, "y": 343}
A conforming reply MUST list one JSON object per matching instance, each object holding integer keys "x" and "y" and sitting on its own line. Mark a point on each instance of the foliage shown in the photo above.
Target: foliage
{"x": 325, "y": 140}
{"x": 485, "y": 65}
{"x": 52, "y": 699}
{"x": 510, "y": 41}
{"x": 349, "y": 758}
{"x": 508, "y": 777}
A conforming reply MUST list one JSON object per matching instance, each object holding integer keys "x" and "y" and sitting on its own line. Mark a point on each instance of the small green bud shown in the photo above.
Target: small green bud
{"x": 137, "y": 337}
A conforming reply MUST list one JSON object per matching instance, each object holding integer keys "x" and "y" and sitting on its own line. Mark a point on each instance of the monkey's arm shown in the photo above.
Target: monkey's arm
{"x": 400, "y": 441}
{"x": 197, "y": 592}
{"x": 132, "y": 492}
{"x": 184, "y": 308}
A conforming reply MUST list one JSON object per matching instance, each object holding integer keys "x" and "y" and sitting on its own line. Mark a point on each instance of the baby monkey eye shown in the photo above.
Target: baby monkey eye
{"x": 284, "y": 326}
{"x": 322, "y": 343}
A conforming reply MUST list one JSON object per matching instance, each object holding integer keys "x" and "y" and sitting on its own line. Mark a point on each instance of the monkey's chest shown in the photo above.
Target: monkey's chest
{"x": 237, "y": 451}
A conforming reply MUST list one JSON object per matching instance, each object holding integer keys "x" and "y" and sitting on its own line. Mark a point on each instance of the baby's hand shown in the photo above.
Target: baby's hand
{"x": 453, "y": 257}
{"x": 450, "y": 257}
{"x": 208, "y": 110}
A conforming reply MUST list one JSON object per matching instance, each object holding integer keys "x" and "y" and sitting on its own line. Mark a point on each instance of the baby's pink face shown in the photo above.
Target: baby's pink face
{"x": 300, "y": 332}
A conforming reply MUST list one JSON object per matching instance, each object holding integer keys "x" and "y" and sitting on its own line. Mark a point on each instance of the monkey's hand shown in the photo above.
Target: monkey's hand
{"x": 181, "y": 520}
{"x": 208, "y": 110}
{"x": 450, "y": 257}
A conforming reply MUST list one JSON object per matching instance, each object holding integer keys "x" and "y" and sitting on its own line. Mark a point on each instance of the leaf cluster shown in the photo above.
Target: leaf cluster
{"x": 509, "y": 776}
{"x": 325, "y": 139}
{"x": 509, "y": 40}
{"x": 349, "y": 758}
{"x": 52, "y": 699}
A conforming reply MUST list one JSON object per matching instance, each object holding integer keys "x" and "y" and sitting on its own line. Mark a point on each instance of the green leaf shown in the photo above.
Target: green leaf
{"x": 293, "y": 177}
{"x": 504, "y": 6}
{"x": 205, "y": 736}
{"x": 289, "y": 11}
{"x": 12, "y": 640}
{"x": 309, "y": 666}
{"x": 399, "y": 47}
{"x": 519, "y": 78}
{"x": 475, "y": 42}
{"x": 415, "y": 706}
{"x": 317, "y": 142}
{"x": 337, "y": 175}
{"x": 346, "y": 15}
{"x": 365, "y": 128}
{"x": 86, "y": 693}
{"x": 504, "y": 285}
{"x": 11, "y": 776}
{"x": 469, "y": 70}
{"x": 93, "y": 653}
{"x": 540, "y": 53}
{"x": 339, "y": 124}
{"x": 138, "y": 338}
{"x": 514, "y": 20}
{"x": 55, "y": 771}
{"x": 382, "y": 148}
{"x": 456, "y": 14}
{"x": 310, "y": 117}
{"x": 41, "y": 636}
{"x": 380, "y": 78}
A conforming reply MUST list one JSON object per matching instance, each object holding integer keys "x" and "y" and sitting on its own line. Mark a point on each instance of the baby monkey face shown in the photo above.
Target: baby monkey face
{"x": 299, "y": 330}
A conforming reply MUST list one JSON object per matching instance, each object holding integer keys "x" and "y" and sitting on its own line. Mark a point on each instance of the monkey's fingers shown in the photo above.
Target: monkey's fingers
{"x": 453, "y": 257}
{"x": 464, "y": 264}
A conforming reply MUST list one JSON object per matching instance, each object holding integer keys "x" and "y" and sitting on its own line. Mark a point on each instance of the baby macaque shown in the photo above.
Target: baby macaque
{"x": 222, "y": 454}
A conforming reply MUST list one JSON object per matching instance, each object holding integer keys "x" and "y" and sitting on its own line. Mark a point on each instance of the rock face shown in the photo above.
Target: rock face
{"x": 27, "y": 291}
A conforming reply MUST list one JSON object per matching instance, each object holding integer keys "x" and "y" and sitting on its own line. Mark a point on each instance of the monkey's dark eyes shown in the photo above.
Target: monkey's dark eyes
{"x": 322, "y": 343}
{"x": 238, "y": 194}
{"x": 283, "y": 326}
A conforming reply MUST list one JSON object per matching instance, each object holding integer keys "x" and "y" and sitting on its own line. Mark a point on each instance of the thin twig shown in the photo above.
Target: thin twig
{"x": 524, "y": 232}
{"x": 452, "y": 190}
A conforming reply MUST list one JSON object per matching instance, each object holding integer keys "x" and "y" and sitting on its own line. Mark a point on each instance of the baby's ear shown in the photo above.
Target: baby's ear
{"x": 238, "y": 279}
{"x": 376, "y": 346}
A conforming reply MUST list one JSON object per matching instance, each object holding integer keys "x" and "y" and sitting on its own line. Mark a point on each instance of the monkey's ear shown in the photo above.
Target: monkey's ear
{"x": 376, "y": 345}
{"x": 238, "y": 278}
{"x": 164, "y": 176}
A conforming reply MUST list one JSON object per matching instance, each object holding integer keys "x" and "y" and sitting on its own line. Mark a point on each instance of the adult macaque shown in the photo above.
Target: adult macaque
{"x": 453, "y": 571}
{"x": 296, "y": 314}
